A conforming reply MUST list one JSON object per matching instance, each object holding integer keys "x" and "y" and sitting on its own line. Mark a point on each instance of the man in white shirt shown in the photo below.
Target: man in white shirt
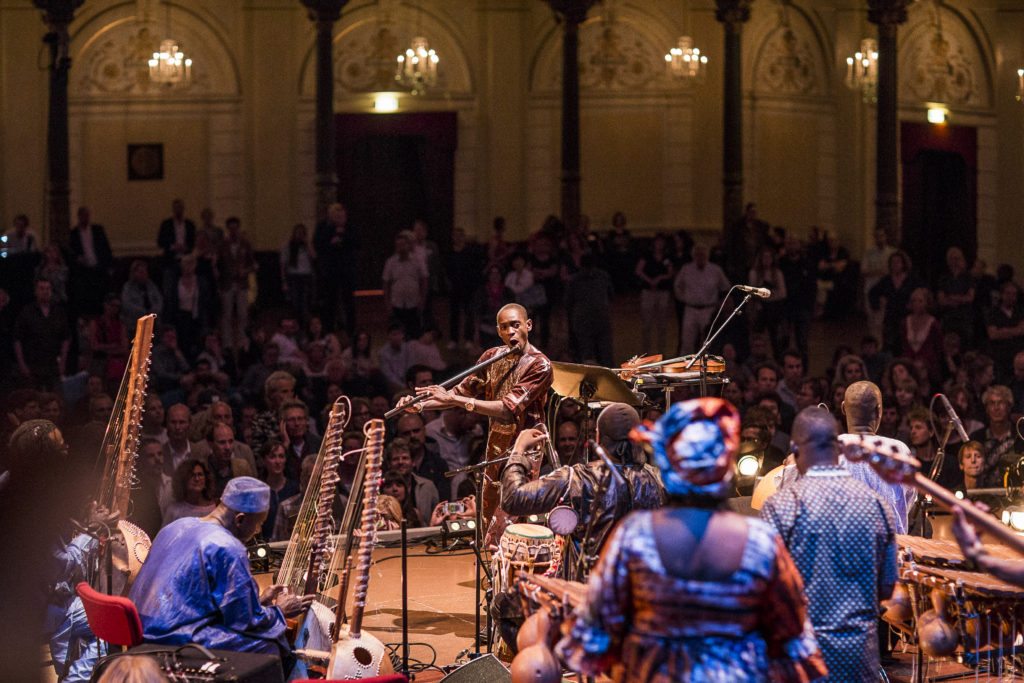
{"x": 20, "y": 240}
{"x": 699, "y": 285}
{"x": 405, "y": 284}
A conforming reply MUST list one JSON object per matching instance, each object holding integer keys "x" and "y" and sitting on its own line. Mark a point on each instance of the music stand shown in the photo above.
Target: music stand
{"x": 588, "y": 383}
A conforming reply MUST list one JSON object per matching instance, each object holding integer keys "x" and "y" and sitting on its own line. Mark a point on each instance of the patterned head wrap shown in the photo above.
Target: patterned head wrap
{"x": 694, "y": 445}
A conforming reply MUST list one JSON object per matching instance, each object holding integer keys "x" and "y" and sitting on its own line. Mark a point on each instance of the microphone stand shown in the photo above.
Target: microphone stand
{"x": 934, "y": 471}
{"x": 477, "y": 471}
{"x": 702, "y": 353}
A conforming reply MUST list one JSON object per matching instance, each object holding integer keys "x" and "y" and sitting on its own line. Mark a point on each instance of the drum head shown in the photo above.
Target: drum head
{"x": 563, "y": 520}
{"x": 535, "y": 531}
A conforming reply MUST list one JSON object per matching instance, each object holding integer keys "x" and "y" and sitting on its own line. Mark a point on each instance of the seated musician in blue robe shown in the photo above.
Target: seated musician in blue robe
{"x": 196, "y": 586}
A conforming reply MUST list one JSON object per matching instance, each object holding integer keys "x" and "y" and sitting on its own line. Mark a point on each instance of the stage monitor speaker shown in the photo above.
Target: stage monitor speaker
{"x": 188, "y": 663}
{"x": 483, "y": 669}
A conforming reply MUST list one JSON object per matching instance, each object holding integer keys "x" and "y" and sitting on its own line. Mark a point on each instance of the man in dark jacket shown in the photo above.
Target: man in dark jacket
{"x": 91, "y": 259}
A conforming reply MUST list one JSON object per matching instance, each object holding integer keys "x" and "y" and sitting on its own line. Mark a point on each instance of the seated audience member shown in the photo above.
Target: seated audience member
{"x": 219, "y": 412}
{"x": 998, "y": 436}
{"x": 196, "y": 586}
{"x": 191, "y": 490}
{"x": 424, "y": 351}
{"x": 169, "y": 372}
{"x": 395, "y": 487}
{"x": 422, "y": 494}
{"x": 389, "y": 513}
{"x": 272, "y": 472}
{"x": 924, "y": 446}
{"x": 278, "y": 389}
{"x": 812, "y": 392}
{"x": 973, "y": 474}
{"x": 288, "y": 509}
{"x": 426, "y": 456}
{"x": 299, "y": 441}
{"x": 153, "y": 493}
{"x": 759, "y": 427}
{"x": 224, "y": 466}
{"x": 891, "y": 419}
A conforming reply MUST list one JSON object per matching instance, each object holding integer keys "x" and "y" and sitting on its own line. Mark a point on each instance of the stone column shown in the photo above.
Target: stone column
{"x": 57, "y": 15}
{"x": 324, "y": 13}
{"x": 732, "y": 14}
{"x": 572, "y": 13}
{"x": 888, "y": 15}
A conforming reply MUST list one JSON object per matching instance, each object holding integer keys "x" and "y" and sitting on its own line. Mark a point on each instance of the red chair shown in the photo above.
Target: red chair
{"x": 112, "y": 619}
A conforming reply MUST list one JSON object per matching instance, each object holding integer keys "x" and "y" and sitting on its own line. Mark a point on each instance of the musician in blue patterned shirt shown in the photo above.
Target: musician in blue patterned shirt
{"x": 841, "y": 535}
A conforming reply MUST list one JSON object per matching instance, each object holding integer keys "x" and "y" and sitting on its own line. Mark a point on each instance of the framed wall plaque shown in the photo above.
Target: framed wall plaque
{"x": 146, "y": 161}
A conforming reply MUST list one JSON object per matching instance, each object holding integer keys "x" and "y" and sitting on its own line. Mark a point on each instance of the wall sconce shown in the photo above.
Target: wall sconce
{"x": 385, "y": 102}
{"x": 937, "y": 113}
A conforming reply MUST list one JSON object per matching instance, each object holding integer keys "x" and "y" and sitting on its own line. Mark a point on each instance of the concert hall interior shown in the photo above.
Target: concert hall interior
{"x": 511, "y": 339}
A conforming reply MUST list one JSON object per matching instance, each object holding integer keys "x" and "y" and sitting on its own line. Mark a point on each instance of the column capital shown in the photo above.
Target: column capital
{"x": 887, "y": 13}
{"x": 732, "y": 13}
{"x": 573, "y": 11}
{"x": 324, "y": 10}
{"x": 57, "y": 14}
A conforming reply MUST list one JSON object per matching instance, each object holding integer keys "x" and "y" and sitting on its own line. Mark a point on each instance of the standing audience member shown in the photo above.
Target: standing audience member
{"x": 490, "y": 298}
{"x": 108, "y": 341}
{"x": 922, "y": 334}
{"x": 890, "y": 296}
{"x": 842, "y": 537}
{"x": 297, "y": 258}
{"x": 91, "y": 260}
{"x": 405, "y": 285}
{"x": 42, "y": 339}
{"x": 956, "y": 297}
{"x": 655, "y": 272}
{"x": 1005, "y": 327}
{"x": 873, "y": 267}
{"x": 770, "y": 313}
{"x": 20, "y": 240}
{"x": 53, "y": 268}
{"x": 139, "y": 296}
{"x": 588, "y": 298}
{"x": 463, "y": 266}
{"x": 176, "y": 238}
{"x": 178, "y": 448}
{"x": 336, "y": 246}
{"x": 700, "y": 286}
{"x": 236, "y": 263}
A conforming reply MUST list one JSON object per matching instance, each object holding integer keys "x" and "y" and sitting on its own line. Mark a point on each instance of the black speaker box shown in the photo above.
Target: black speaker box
{"x": 190, "y": 664}
{"x": 484, "y": 669}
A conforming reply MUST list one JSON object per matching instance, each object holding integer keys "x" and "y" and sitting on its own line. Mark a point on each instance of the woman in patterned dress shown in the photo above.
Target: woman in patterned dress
{"x": 693, "y": 592}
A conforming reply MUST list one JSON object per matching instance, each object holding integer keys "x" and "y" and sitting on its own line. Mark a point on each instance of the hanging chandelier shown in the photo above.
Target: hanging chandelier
{"x": 685, "y": 62}
{"x": 417, "y": 67}
{"x": 170, "y": 66}
{"x": 862, "y": 70}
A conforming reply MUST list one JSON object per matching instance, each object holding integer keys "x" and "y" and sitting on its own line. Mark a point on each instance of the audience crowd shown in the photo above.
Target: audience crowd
{"x": 242, "y": 382}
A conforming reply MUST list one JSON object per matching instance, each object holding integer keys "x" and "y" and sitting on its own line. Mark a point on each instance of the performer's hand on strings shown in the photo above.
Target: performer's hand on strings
{"x": 293, "y": 605}
{"x": 270, "y": 593}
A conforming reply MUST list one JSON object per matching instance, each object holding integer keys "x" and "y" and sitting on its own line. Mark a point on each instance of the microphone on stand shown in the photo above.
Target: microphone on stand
{"x": 760, "y": 292}
{"x": 954, "y": 417}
